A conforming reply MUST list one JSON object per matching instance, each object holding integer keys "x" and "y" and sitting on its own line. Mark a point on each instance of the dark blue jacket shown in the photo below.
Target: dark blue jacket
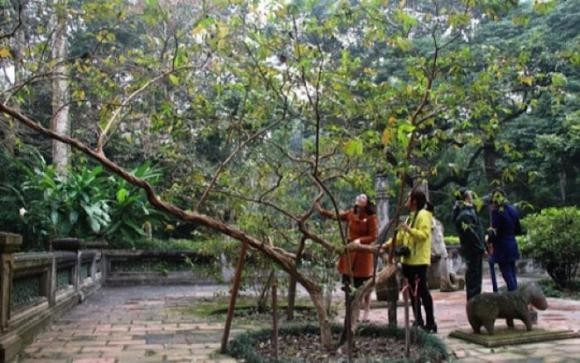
{"x": 504, "y": 220}
{"x": 469, "y": 229}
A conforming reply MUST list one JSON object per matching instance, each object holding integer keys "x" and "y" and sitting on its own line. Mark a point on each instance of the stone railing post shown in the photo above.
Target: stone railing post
{"x": 9, "y": 243}
{"x": 51, "y": 282}
{"x": 93, "y": 249}
{"x": 72, "y": 245}
{"x": 98, "y": 257}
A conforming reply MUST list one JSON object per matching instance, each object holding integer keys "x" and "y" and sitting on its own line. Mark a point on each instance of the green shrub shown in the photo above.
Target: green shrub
{"x": 130, "y": 211}
{"x": 550, "y": 289}
{"x": 74, "y": 205}
{"x": 553, "y": 240}
{"x": 203, "y": 247}
{"x": 14, "y": 171}
{"x": 87, "y": 203}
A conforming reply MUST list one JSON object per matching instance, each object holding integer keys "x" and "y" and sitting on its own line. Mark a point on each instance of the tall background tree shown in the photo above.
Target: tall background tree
{"x": 60, "y": 122}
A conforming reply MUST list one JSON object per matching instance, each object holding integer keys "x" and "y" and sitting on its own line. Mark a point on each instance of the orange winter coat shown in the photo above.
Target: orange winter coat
{"x": 364, "y": 227}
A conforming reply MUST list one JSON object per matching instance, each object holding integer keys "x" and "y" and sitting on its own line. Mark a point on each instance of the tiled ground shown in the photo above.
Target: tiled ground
{"x": 450, "y": 315}
{"x": 132, "y": 324}
{"x": 142, "y": 324}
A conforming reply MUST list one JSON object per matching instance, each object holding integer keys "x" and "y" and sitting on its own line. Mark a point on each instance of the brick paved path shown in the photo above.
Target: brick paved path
{"x": 145, "y": 324}
{"x": 450, "y": 315}
{"x": 131, "y": 324}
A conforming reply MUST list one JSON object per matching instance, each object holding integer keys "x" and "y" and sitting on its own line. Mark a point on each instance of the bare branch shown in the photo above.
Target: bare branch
{"x": 230, "y": 158}
{"x": 301, "y": 223}
{"x": 274, "y": 187}
{"x": 38, "y": 77}
{"x": 258, "y": 201}
{"x": 112, "y": 121}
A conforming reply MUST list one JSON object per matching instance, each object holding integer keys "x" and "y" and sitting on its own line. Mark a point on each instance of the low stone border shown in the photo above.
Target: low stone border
{"x": 242, "y": 347}
{"x": 505, "y": 336}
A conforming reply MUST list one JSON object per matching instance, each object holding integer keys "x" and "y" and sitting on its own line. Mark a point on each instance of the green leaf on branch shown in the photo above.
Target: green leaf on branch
{"x": 406, "y": 20}
{"x": 174, "y": 79}
{"x": 544, "y": 6}
{"x": 459, "y": 19}
{"x": 5, "y": 53}
{"x": 559, "y": 80}
{"x": 122, "y": 195}
{"x": 520, "y": 20}
{"x": 353, "y": 147}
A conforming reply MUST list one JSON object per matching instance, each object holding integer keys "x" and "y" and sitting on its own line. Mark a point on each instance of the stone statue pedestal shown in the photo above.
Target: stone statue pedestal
{"x": 518, "y": 335}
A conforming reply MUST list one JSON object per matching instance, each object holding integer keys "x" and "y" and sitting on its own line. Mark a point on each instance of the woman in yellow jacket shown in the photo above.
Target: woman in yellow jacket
{"x": 416, "y": 235}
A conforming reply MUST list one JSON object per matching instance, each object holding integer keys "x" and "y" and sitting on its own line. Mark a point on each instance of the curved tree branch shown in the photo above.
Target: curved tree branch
{"x": 113, "y": 119}
{"x": 230, "y": 158}
{"x": 282, "y": 259}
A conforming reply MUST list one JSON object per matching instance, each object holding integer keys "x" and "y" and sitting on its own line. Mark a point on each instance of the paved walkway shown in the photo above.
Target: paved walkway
{"x": 450, "y": 315}
{"x": 149, "y": 324}
{"x": 144, "y": 324}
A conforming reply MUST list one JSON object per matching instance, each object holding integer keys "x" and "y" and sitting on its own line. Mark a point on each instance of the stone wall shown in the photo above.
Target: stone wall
{"x": 37, "y": 287}
{"x": 138, "y": 267}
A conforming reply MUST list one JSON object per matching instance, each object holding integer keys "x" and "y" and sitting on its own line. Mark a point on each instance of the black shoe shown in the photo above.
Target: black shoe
{"x": 430, "y": 328}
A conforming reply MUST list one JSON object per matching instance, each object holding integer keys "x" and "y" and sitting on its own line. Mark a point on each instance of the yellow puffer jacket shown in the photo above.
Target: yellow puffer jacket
{"x": 418, "y": 239}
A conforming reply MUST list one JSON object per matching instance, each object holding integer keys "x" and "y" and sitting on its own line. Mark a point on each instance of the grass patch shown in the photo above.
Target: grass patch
{"x": 552, "y": 290}
{"x": 216, "y": 308}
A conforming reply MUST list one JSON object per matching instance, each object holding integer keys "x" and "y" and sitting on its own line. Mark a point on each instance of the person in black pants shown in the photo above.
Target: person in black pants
{"x": 415, "y": 234}
{"x": 505, "y": 225}
{"x": 471, "y": 239}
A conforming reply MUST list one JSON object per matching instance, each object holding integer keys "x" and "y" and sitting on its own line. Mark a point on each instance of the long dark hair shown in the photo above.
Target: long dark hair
{"x": 370, "y": 208}
{"x": 419, "y": 197}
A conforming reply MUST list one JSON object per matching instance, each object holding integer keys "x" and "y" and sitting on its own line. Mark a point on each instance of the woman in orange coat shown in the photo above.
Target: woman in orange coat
{"x": 357, "y": 264}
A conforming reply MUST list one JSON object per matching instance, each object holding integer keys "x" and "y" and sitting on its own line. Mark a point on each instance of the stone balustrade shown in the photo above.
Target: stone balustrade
{"x": 36, "y": 287}
{"x": 139, "y": 267}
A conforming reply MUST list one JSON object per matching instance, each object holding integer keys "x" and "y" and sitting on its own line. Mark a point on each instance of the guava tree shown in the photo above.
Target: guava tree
{"x": 257, "y": 110}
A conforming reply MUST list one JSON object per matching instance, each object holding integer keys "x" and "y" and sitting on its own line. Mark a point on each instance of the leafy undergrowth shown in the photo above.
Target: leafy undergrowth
{"x": 552, "y": 290}
{"x": 301, "y": 343}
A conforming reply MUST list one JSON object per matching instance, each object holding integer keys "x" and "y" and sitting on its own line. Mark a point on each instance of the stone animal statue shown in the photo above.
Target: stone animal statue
{"x": 484, "y": 309}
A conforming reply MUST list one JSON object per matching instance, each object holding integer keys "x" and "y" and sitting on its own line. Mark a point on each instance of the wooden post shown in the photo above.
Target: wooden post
{"x": 235, "y": 288}
{"x": 275, "y": 318}
{"x": 348, "y": 324}
{"x": 407, "y": 328}
{"x": 291, "y": 299}
{"x": 263, "y": 299}
{"x": 292, "y": 285}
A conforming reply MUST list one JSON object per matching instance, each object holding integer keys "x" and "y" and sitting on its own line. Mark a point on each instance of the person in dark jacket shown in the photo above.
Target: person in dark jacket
{"x": 471, "y": 239}
{"x": 505, "y": 225}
